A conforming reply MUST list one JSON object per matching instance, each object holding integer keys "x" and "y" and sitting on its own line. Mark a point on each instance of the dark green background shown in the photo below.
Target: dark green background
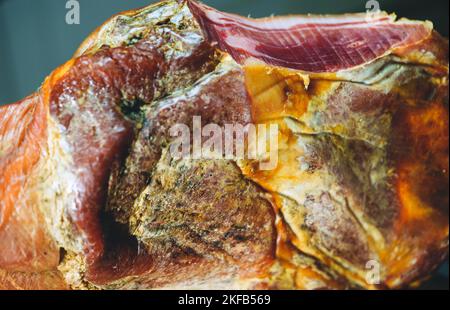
{"x": 34, "y": 38}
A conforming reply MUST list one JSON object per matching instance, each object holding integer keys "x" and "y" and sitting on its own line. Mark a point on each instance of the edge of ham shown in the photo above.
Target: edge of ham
{"x": 309, "y": 43}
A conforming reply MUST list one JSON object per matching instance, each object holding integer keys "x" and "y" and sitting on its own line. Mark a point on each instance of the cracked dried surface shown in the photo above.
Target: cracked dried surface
{"x": 362, "y": 172}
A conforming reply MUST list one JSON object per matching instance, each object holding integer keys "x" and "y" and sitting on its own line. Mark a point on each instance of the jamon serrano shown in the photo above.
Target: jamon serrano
{"x": 91, "y": 198}
{"x": 310, "y": 43}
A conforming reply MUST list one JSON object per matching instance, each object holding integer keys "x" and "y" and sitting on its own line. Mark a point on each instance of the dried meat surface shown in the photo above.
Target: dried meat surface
{"x": 90, "y": 197}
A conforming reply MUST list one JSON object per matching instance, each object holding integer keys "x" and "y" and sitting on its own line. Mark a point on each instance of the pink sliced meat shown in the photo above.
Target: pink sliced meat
{"x": 309, "y": 43}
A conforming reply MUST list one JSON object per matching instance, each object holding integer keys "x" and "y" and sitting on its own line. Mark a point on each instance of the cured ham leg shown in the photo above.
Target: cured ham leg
{"x": 91, "y": 198}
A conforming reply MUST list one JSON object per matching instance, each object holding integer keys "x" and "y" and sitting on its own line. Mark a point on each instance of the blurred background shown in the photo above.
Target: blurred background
{"x": 35, "y": 39}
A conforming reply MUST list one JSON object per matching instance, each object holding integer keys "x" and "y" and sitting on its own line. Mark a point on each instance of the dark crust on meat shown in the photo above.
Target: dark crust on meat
{"x": 111, "y": 90}
{"x": 222, "y": 101}
{"x": 197, "y": 220}
{"x": 98, "y": 103}
{"x": 96, "y": 130}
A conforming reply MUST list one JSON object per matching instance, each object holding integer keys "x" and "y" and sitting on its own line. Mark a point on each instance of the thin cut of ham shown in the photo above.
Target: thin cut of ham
{"x": 309, "y": 43}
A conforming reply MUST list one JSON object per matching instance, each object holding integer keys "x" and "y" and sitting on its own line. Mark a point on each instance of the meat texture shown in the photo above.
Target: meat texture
{"x": 91, "y": 197}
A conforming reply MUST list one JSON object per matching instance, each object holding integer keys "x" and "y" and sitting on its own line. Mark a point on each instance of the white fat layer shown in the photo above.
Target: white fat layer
{"x": 56, "y": 190}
